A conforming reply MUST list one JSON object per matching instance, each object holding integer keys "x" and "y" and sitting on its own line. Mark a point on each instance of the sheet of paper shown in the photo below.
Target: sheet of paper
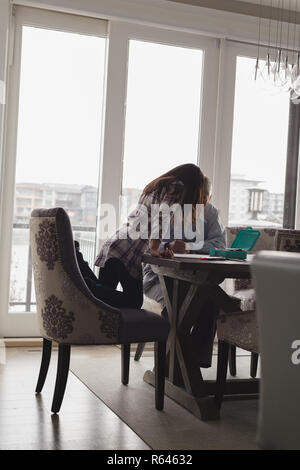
{"x": 197, "y": 256}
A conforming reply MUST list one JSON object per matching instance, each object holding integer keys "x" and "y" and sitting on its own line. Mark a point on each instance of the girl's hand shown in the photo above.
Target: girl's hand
{"x": 178, "y": 246}
{"x": 154, "y": 246}
{"x": 167, "y": 253}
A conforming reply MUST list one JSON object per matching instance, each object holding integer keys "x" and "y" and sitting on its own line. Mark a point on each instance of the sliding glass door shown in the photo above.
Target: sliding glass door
{"x": 57, "y": 89}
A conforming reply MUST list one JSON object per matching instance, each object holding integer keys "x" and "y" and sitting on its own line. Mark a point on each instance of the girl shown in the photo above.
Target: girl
{"x": 120, "y": 258}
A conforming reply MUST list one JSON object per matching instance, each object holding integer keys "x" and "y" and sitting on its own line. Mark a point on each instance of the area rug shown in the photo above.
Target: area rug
{"x": 175, "y": 428}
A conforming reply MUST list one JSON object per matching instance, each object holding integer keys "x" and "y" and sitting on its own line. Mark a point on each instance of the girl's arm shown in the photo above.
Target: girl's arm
{"x": 170, "y": 196}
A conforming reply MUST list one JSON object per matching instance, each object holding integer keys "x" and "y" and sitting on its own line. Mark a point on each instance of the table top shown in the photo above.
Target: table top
{"x": 193, "y": 264}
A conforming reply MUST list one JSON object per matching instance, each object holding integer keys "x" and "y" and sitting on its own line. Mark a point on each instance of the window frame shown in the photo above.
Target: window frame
{"x": 230, "y": 50}
{"x": 291, "y": 218}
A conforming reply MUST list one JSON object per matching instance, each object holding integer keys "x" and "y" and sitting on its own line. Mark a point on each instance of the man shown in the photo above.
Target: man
{"x": 203, "y": 331}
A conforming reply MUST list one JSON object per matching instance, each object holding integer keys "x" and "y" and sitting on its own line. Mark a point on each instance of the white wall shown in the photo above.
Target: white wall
{"x": 159, "y": 13}
{"x": 248, "y": 7}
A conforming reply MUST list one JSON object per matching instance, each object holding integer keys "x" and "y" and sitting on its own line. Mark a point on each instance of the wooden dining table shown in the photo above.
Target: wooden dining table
{"x": 184, "y": 282}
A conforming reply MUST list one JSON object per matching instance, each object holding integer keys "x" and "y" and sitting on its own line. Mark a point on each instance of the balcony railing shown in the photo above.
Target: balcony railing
{"x": 21, "y": 289}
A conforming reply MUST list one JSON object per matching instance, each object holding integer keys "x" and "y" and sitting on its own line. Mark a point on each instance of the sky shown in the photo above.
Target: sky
{"x": 260, "y": 128}
{"x": 61, "y": 98}
{"x": 60, "y": 108}
{"x": 163, "y": 110}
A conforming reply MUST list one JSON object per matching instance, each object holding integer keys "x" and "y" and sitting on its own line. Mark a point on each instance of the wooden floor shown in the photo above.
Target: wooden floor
{"x": 27, "y": 422}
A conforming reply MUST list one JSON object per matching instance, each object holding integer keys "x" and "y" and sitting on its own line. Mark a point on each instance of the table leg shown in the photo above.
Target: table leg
{"x": 182, "y": 371}
{"x": 170, "y": 289}
{"x": 184, "y": 382}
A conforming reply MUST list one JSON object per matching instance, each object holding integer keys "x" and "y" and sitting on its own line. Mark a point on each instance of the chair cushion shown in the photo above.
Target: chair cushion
{"x": 140, "y": 326}
{"x": 239, "y": 329}
{"x": 152, "y": 305}
{"x": 266, "y": 241}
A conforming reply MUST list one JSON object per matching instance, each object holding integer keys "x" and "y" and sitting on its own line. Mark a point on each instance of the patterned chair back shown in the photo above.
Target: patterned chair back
{"x": 266, "y": 241}
{"x": 287, "y": 240}
{"x": 67, "y": 311}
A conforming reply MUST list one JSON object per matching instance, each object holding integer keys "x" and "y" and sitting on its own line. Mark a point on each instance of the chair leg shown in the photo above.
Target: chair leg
{"x": 46, "y": 355}
{"x": 125, "y": 358}
{"x": 223, "y": 352}
{"x": 160, "y": 365}
{"x": 232, "y": 360}
{"x": 254, "y": 364}
{"x": 139, "y": 351}
{"x": 64, "y": 351}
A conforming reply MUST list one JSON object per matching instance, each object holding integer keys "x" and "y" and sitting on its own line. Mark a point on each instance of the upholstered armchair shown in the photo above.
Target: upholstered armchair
{"x": 239, "y": 328}
{"x": 69, "y": 314}
{"x": 243, "y": 290}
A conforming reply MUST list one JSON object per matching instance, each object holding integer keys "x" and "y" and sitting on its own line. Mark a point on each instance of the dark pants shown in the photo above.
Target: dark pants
{"x": 104, "y": 288}
{"x": 113, "y": 273}
{"x": 201, "y": 338}
{"x": 198, "y": 331}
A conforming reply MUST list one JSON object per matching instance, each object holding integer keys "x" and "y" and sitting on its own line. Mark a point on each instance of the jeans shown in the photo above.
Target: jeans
{"x": 155, "y": 293}
{"x": 110, "y": 275}
{"x": 113, "y": 273}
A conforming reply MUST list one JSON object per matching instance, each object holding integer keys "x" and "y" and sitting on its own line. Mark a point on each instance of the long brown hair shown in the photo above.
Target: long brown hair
{"x": 189, "y": 174}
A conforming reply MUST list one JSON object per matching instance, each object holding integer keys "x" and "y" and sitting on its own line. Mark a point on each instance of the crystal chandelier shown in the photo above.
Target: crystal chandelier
{"x": 279, "y": 67}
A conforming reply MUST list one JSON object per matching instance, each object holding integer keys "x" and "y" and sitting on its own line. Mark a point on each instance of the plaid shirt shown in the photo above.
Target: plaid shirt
{"x": 129, "y": 250}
